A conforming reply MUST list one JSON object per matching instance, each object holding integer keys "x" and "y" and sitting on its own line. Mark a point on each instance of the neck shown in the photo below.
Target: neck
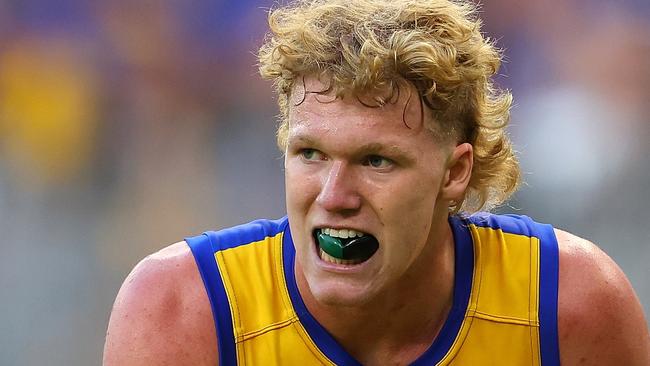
{"x": 402, "y": 322}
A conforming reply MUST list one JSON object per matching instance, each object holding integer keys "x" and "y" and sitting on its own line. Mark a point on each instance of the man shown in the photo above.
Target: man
{"x": 393, "y": 135}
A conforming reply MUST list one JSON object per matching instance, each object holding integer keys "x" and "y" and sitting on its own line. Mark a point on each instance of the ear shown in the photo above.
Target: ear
{"x": 458, "y": 173}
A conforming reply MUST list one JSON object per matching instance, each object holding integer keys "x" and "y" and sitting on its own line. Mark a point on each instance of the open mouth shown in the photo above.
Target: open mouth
{"x": 348, "y": 247}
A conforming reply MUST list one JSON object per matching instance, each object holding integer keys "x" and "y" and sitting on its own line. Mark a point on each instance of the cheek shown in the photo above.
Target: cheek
{"x": 301, "y": 186}
{"x": 407, "y": 213}
{"x": 415, "y": 199}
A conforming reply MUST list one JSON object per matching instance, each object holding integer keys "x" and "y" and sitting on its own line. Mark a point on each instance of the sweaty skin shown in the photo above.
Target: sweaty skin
{"x": 349, "y": 167}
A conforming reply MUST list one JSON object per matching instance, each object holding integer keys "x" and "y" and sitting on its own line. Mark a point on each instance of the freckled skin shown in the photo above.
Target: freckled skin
{"x": 161, "y": 315}
{"x": 392, "y": 204}
{"x": 403, "y": 202}
{"x": 389, "y": 312}
{"x": 600, "y": 319}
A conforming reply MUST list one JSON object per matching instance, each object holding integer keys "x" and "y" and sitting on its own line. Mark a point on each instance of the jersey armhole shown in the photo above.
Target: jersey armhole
{"x": 204, "y": 255}
{"x": 548, "y": 295}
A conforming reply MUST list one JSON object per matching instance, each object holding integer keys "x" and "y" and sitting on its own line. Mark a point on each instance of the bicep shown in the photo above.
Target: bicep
{"x": 161, "y": 316}
{"x": 601, "y": 321}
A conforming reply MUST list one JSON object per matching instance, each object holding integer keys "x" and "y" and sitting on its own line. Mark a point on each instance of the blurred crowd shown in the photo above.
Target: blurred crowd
{"x": 126, "y": 125}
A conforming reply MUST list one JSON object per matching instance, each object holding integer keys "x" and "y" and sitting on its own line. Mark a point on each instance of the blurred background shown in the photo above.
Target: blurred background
{"x": 126, "y": 125}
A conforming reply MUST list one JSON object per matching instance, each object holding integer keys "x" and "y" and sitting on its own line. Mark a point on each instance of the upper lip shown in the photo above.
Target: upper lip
{"x": 339, "y": 227}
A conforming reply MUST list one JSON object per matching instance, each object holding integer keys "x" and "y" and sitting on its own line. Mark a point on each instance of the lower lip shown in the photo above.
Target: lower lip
{"x": 335, "y": 267}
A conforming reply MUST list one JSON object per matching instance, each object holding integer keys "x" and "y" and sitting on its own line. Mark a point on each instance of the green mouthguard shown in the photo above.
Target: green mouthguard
{"x": 360, "y": 248}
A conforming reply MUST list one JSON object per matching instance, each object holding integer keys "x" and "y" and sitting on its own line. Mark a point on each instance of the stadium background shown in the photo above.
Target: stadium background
{"x": 127, "y": 125}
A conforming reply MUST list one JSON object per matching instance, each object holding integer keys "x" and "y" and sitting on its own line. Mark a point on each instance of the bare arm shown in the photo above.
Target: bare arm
{"x": 601, "y": 321}
{"x": 162, "y": 315}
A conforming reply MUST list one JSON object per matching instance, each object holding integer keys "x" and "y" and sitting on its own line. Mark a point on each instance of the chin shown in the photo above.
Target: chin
{"x": 339, "y": 293}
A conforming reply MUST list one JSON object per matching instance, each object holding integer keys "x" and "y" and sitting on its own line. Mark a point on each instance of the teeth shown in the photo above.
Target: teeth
{"x": 328, "y": 258}
{"x": 342, "y": 233}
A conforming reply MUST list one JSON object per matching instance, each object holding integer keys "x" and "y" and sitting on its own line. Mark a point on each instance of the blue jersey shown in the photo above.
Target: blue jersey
{"x": 504, "y": 308}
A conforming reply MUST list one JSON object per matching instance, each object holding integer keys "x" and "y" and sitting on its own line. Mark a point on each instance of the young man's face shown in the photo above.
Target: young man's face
{"x": 349, "y": 166}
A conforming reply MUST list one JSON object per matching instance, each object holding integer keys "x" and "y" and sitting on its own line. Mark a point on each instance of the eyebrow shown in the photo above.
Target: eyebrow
{"x": 302, "y": 140}
{"x": 308, "y": 140}
{"x": 378, "y": 148}
{"x": 364, "y": 149}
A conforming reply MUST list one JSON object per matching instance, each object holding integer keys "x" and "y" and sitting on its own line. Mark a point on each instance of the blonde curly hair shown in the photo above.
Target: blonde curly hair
{"x": 371, "y": 47}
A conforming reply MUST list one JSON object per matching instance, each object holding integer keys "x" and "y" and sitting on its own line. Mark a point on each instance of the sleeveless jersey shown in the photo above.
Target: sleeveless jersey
{"x": 504, "y": 309}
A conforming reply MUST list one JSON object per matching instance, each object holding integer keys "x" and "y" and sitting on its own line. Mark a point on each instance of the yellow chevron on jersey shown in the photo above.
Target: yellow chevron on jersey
{"x": 504, "y": 309}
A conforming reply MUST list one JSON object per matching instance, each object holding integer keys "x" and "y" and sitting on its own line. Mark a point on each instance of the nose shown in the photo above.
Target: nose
{"x": 338, "y": 192}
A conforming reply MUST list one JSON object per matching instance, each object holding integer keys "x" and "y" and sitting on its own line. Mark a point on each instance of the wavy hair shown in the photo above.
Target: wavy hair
{"x": 373, "y": 47}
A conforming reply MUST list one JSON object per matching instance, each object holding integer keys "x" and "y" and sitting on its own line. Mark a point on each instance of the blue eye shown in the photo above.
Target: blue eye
{"x": 377, "y": 161}
{"x": 311, "y": 154}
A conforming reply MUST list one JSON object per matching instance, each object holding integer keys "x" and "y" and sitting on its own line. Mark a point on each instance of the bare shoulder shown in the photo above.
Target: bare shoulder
{"x": 600, "y": 319}
{"x": 162, "y": 315}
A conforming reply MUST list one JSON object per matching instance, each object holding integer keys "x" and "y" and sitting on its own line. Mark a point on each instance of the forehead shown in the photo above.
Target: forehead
{"x": 313, "y": 105}
{"x": 346, "y": 127}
